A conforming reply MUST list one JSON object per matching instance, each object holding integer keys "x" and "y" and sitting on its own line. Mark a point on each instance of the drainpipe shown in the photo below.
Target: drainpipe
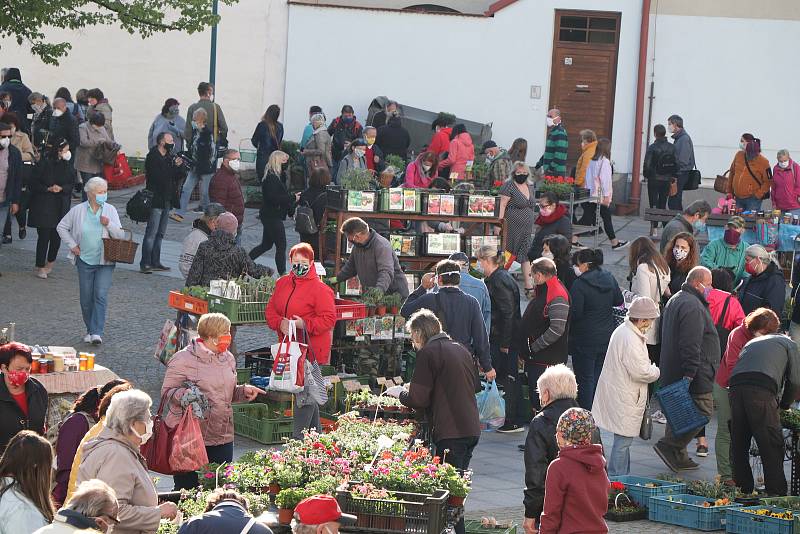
{"x": 636, "y": 186}
{"x": 212, "y": 68}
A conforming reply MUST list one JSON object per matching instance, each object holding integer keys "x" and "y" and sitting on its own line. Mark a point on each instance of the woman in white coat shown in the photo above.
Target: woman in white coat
{"x": 621, "y": 395}
{"x": 649, "y": 278}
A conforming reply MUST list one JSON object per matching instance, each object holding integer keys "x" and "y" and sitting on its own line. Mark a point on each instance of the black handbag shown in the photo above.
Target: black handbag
{"x": 693, "y": 180}
{"x": 646, "y": 428}
{"x": 140, "y": 206}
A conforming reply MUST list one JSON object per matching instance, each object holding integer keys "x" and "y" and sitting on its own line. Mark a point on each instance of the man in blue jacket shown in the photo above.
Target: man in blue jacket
{"x": 475, "y": 287}
{"x": 459, "y": 313}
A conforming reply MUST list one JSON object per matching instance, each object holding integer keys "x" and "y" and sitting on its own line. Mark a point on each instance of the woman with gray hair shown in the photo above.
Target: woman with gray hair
{"x": 93, "y": 506}
{"x": 115, "y": 459}
{"x": 786, "y": 184}
{"x": 317, "y": 151}
{"x": 83, "y": 229}
{"x": 766, "y": 286}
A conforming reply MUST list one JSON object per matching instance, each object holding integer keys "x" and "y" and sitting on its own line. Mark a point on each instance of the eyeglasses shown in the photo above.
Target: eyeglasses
{"x": 542, "y": 206}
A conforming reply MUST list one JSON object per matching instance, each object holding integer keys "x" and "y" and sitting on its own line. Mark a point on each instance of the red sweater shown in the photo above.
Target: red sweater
{"x": 736, "y": 341}
{"x": 225, "y": 189}
{"x": 576, "y": 492}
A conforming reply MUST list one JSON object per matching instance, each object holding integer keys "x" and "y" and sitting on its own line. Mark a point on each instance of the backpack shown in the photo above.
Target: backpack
{"x": 304, "y": 222}
{"x": 140, "y": 205}
{"x": 667, "y": 164}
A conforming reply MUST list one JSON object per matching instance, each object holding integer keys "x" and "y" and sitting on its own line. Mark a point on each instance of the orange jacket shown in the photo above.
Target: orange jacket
{"x": 583, "y": 163}
{"x": 743, "y": 183}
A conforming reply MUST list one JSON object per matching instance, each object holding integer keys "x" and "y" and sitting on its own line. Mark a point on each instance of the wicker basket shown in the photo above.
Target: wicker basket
{"x": 120, "y": 250}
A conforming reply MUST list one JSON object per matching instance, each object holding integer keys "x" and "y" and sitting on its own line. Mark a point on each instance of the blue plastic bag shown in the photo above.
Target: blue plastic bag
{"x": 491, "y": 407}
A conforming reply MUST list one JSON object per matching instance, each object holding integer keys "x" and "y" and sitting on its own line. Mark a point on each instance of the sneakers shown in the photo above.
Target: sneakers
{"x": 176, "y": 217}
{"x": 7, "y": 240}
{"x": 510, "y": 428}
{"x": 688, "y": 465}
{"x": 146, "y": 269}
{"x": 672, "y": 461}
{"x": 87, "y": 338}
{"x": 702, "y": 451}
{"x": 23, "y": 232}
{"x": 659, "y": 418}
{"x": 49, "y": 267}
{"x": 198, "y": 209}
{"x": 160, "y": 268}
{"x": 96, "y": 340}
{"x": 620, "y": 245}
{"x": 577, "y": 245}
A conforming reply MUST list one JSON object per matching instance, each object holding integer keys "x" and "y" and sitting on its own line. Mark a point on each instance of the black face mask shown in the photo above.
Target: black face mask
{"x": 520, "y": 178}
{"x": 168, "y": 147}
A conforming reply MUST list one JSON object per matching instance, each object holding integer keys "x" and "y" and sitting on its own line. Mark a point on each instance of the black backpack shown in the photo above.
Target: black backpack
{"x": 140, "y": 205}
{"x": 667, "y": 164}
{"x": 304, "y": 221}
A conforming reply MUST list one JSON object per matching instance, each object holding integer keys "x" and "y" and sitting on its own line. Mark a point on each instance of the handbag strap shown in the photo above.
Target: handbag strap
{"x": 721, "y": 319}
{"x": 751, "y": 172}
{"x": 248, "y": 526}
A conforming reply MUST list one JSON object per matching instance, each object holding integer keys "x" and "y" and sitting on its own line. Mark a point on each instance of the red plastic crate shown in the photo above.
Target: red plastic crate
{"x": 192, "y": 305}
{"x": 349, "y": 309}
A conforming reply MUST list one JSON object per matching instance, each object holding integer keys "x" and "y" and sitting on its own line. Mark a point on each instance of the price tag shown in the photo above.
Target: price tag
{"x": 351, "y": 386}
{"x": 360, "y": 338}
{"x": 365, "y": 387}
{"x": 334, "y": 379}
{"x": 398, "y": 380}
{"x": 381, "y": 381}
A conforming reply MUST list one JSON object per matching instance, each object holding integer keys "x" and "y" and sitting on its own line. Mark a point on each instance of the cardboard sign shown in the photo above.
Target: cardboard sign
{"x": 364, "y": 387}
{"x": 381, "y": 380}
{"x": 351, "y": 386}
{"x": 398, "y": 380}
{"x": 333, "y": 379}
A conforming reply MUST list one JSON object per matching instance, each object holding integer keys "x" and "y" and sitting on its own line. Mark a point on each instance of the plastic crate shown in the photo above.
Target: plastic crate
{"x": 688, "y": 511}
{"x": 186, "y": 303}
{"x": 474, "y": 527}
{"x": 411, "y": 512}
{"x": 350, "y": 309}
{"x": 636, "y": 489}
{"x": 788, "y": 502}
{"x": 238, "y": 312}
{"x": 259, "y": 423}
{"x": 679, "y": 408}
{"x": 741, "y": 522}
{"x": 243, "y": 375}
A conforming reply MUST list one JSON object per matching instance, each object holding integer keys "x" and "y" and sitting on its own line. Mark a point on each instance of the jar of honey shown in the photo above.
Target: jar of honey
{"x": 90, "y": 361}
{"x": 82, "y": 363}
{"x": 35, "y": 366}
{"x": 58, "y": 363}
{"x": 44, "y": 366}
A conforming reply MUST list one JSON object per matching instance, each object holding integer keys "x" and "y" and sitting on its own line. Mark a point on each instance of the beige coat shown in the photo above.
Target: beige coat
{"x": 112, "y": 459}
{"x": 105, "y": 109}
{"x": 645, "y": 284}
{"x": 621, "y": 394}
{"x": 90, "y": 137}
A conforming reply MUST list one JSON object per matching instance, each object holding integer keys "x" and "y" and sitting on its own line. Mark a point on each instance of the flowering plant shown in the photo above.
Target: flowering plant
{"x": 207, "y": 475}
{"x": 370, "y": 491}
{"x": 247, "y": 476}
{"x": 560, "y": 185}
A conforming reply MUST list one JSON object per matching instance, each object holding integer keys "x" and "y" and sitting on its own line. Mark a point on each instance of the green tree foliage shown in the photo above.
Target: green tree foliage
{"x": 29, "y": 21}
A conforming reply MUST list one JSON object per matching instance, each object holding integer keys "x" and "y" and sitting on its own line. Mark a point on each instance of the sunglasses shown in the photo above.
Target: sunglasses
{"x": 5, "y": 136}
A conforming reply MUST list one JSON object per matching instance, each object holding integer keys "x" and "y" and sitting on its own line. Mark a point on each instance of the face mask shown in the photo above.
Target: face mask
{"x": 300, "y": 269}
{"x": 17, "y": 378}
{"x": 426, "y": 168}
{"x": 732, "y": 237}
{"x": 195, "y": 125}
{"x": 706, "y": 291}
{"x": 174, "y": 110}
{"x": 101, "y": 198}
{"x": 699, "y": 226}
{"x": 680, "y": 254}
{"x": 359, "y": 153}
{"x": 783, "y": 164}
{"x": 348, "y": 120}
{"x": 4, "y": 142}
{"x": 38, "y": 107}
{"x": 546, "y": 212}
{"x": 148, "y": 432}
{"x": 550, "y": 122}
{"x": 168, "y": 147}
{"x": 66, "y": 156}
{"x": 235, "y": 164}
{"x": 57, "y": 113}
{"x": 742, "y": 145}
{"x": 749, "y": 267}
{"x": 520, "y": 178}
{"x": 577, "y": 270}
{"x": 548, "y": 255}
{"x": 223, "y": 342}
{"x": 370, "y": 141}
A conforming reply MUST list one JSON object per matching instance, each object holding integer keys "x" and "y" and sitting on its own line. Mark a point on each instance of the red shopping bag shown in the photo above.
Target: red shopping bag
{"x": 119, "y": 172}
{"x": 158, "y": 448}
{"x": 188, "y": 448}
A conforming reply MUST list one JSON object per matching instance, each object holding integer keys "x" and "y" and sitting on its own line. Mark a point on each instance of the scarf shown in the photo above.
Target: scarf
{"x": 558, "y": 213}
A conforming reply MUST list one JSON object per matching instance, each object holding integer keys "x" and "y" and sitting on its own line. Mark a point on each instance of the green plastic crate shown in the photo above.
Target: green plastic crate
{"x": 474, "y": 527}
{"x": 258, "y": 422}
{"x": 243, "y": 375}
{"x": 238, "y": 312}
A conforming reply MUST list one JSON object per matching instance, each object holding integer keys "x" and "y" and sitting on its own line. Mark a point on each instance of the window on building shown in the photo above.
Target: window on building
{"x": 587, "y": 29}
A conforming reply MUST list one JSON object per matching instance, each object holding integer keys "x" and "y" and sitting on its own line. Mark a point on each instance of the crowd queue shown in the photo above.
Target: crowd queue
{"x": 710, "y": 317}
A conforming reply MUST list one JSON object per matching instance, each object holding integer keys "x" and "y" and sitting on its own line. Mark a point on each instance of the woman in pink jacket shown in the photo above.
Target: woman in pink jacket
{"x": 206, "y": 367}
{"x": 786, "y": 184}
{"x": 421, "y": 172}
{"x": 461, "y": 151}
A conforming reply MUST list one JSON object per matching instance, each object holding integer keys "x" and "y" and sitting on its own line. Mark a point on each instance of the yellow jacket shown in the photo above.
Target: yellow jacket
{"x": 583, "y": 163}
{"x": 76, "y": 462}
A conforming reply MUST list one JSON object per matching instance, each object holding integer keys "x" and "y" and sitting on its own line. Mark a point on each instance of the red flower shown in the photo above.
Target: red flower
{"x": 436, "y": 460}
{"x": 498, "y": 183}
{"x": 618, "y": 486}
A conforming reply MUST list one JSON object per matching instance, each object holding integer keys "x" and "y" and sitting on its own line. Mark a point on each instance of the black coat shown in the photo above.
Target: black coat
{"x": 653, "y": 155}
{"x": 276, "y": 202}
{"x": 203, "y": 151}
{"x": 315, "y": 198}
{"x": 394, "y": 139}
{"x": 14, "y": 182}
{"x": 767, "y": 289}
{"x": 592, "y": 296}
{"x": 40, "y": 127}
{"x": 504, "y": 292}
{"x": 562, "y": 226}
{"x": 19, "y": 97}
{"x": 163, "y": 178}
{"x": 65, "y": 127}
{"x": 47, "y": 208}
{"x": 13, "y": 419}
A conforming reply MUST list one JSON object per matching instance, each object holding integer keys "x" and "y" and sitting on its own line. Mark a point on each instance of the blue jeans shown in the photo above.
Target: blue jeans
{"x": 188, "y": 187}
{"x": 587, "y": 366}
{"x": 153, "y": 235}
{"x": 619, "y": 463}
{"x": 94, "y": 282}
{"x": 749, "y": 203}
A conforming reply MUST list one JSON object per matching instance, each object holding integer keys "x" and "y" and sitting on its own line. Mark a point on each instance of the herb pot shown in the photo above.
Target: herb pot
{"x": 285, "y": 516}
{"x": 455, "y": 501}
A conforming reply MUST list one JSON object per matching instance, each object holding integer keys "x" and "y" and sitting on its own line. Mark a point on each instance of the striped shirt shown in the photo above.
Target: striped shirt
{"x": 558, "y": 313}
{"x": 554, "y": 159}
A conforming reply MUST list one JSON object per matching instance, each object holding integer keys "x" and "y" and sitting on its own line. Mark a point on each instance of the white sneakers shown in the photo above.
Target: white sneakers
{"x": 87, "y": 338}
{"x": 41, "y": 273}
{"x": 96, "y": 340}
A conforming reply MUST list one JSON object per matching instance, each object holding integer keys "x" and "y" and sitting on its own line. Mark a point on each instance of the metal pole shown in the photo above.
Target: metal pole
{"x": 212, "y": 75}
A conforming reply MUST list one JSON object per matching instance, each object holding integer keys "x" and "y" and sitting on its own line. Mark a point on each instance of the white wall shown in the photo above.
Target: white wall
{"x": 138, "y": 75}
{"x": 727, "y": 76}
{"x": 478, "y": 68}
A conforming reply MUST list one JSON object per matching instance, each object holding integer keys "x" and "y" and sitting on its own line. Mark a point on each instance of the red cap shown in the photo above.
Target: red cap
{"x": 321, "y": 509}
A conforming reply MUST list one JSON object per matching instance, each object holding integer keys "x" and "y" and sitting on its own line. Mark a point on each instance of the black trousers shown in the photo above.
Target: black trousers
{"x": 47, "y": 246}
{"x": 657, "y": 194}
{"x": 755, "y": 414}
{"x": 459, "y": 455}
{"x": 590, "y": 208}
{"x": 21, "y": 216}
{"x": 273, "y": 233}
{"x": 217, "y": 454}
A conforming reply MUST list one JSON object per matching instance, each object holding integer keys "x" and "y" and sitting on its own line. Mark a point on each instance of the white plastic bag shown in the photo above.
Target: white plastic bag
{"x": 491, "y": 407}
{"x": 288, "y": 371}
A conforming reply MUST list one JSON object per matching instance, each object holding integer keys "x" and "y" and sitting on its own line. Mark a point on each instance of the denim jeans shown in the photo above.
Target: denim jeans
{"x": 619, "y": 462}
{"x": 216, "y": 454}
{"x": 587, "y": 366}
{"x": 153, "y": 235}
{"x": 5, "y": 209}
{"x": 188, "y": 187}
{"x": 94, "y": 282}
{"x": 749, "y": 203}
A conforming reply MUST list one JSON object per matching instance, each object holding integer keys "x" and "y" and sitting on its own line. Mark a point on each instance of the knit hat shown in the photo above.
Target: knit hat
{"x": 643, "y": 308}
{"x": 227, "y": 223}
{"x": 489, "y": 144}
{"x": 576, "y": 426}
{"x": 736, "y": 222}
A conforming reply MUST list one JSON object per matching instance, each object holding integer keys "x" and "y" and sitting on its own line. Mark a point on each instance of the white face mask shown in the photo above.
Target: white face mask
{"x": 548, "y": 255}
{"x": 66, "y": 156}
{"x": 680, "y": 254}
{"x": 577, "y": 270}
{"x": 783, "y": 164}
{"x": 57, "y": 113}
{"x": 5, "y": 142}
{"x": 359, "y": 153}
{"x": 550, "y": 122}
{"x": 426, "y": 168}
{"x": 148, "y": 432}
{"x": 742, "y": 145}
{"x": 235, "y": 164}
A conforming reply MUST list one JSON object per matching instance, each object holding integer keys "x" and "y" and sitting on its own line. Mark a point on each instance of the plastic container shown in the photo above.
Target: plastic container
{"x": 411, "y": 512}
{"x": 636, "y": 488}
{"x": 186, "y": 303}
{"x": 688, "y": 511}
{"x": 679, "y": 408}
{"x": 350, "y": 309}
{"x": 352, "y": 200}
{"x": 243, "y": 375}
{"x": 440, "y": 204}
{"x": 480, "y": 206}
{"x": 261, "y": 423}
{"x": 442, "y": 244}
{"x": 238, "y": 312}
{"x": 790, "y": 503}
{"x": 400, "y": 200}
{"x": 738, "y": 521}
{"x": 407, "y": 245}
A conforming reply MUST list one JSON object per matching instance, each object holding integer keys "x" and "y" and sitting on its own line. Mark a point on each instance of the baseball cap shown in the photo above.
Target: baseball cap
{"x": 459, "y": 257}
{"x": 321, "y": 509}
{"x": 736, "y": 222}
{"x": 489, "y": 144}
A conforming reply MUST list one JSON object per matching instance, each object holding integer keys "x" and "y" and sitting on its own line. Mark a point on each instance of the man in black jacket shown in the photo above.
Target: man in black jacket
{"x": 394, "y": 139}
{"x": 660, "y": 169}
{"x": 163, "y": 175}
{"x": 459, "y": 313}
{"x": 63, "y": 124}
{"x": 226, "y": 511}
{"x": 12, "y": 84}
{"x": 10, "y": 174}
{"x": 689, "y": 351}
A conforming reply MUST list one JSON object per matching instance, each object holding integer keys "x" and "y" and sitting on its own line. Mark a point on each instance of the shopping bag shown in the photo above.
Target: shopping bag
{"x": 119, "y": 172}
{"x": 491, "y": 407}
{"x": 188, "y": 448}
{"x": 288, "y": 370}
{"x": 167, "y": 342}
{"x": 158, "y": 448}
{"x": 314, "y": 381}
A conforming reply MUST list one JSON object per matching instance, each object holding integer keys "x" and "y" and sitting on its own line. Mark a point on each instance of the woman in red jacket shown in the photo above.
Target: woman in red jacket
{"x": 301, "y": 296}
{"x": 461, "y": 152}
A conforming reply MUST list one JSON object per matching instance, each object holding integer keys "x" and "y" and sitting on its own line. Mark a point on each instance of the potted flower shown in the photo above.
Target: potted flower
{"x": 284, "y": 477}
{"x": 373, "y": 299}
{"x": 287, "y": 500}
{"x": 393, "y": 301}
{"x": 560, "y": 185}
{"x": 621, "y": 507}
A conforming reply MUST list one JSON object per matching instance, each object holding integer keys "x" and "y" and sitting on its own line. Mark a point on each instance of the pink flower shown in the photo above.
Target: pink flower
{"x": 209, "y": 475}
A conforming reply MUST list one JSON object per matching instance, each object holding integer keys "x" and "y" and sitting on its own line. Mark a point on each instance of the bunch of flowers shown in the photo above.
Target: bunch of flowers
{"x": 560, "y": 185}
